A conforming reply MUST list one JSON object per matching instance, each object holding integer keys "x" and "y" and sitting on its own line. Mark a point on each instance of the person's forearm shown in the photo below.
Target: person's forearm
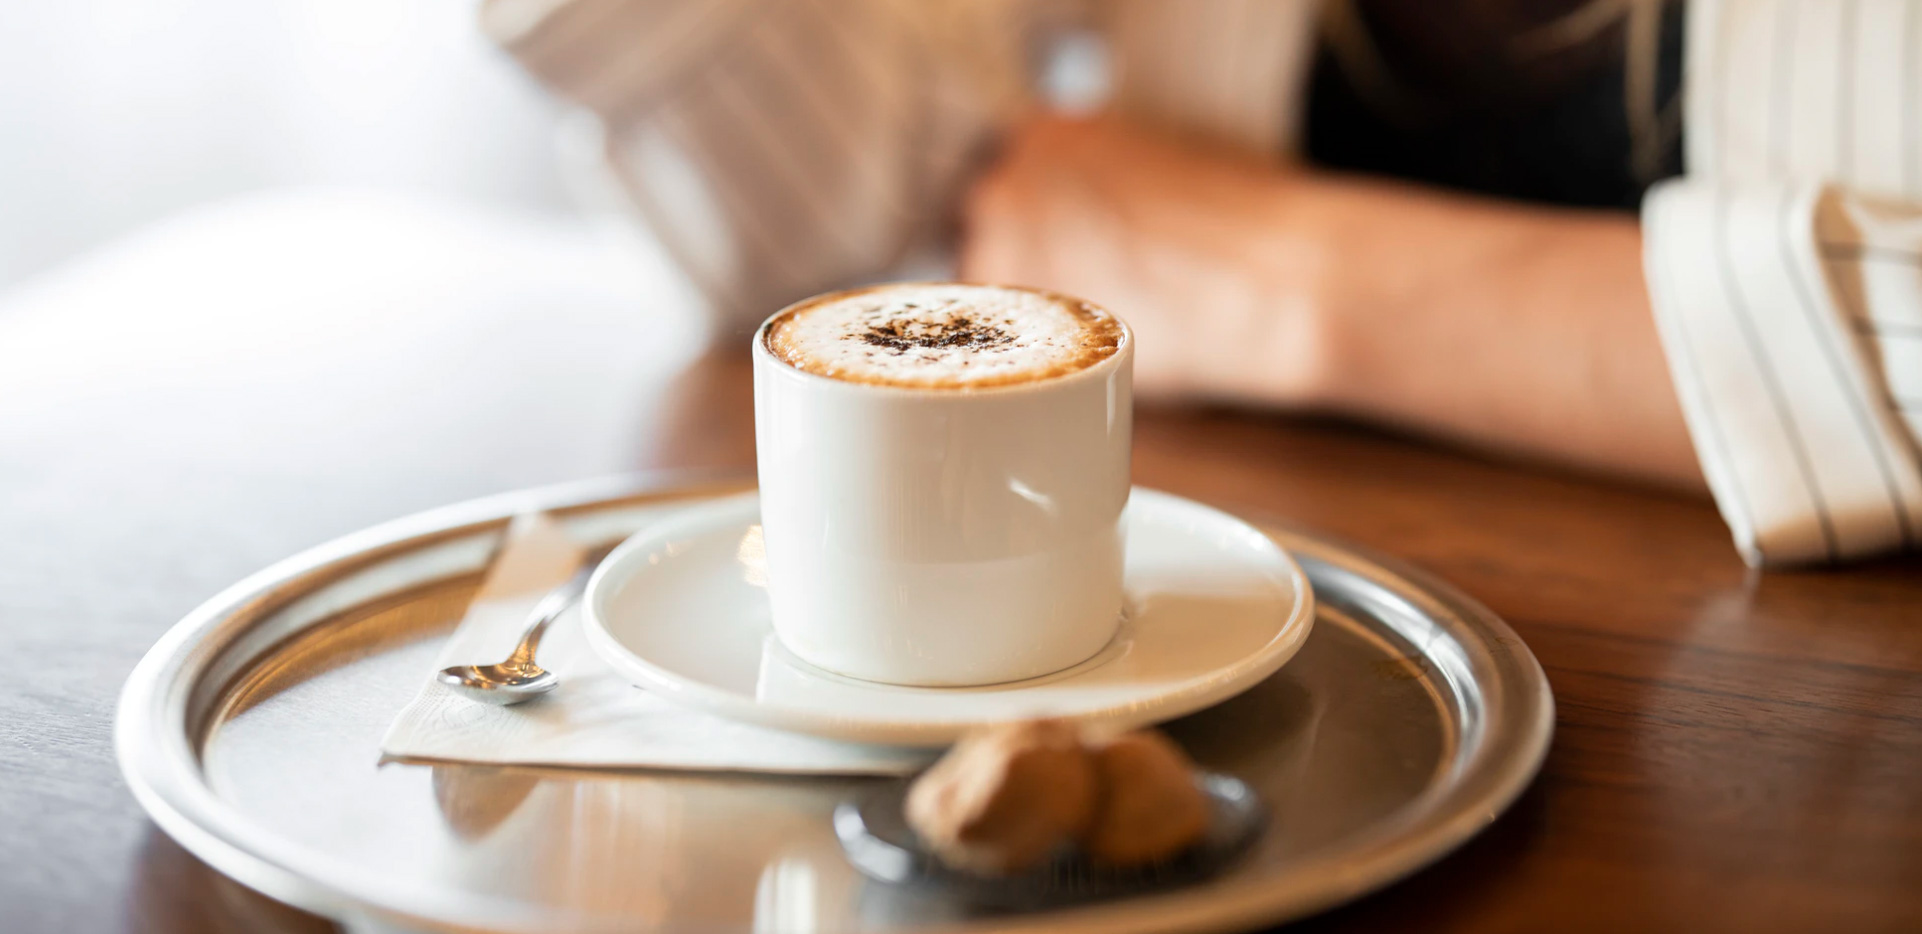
{"x": 1516, "y": 328}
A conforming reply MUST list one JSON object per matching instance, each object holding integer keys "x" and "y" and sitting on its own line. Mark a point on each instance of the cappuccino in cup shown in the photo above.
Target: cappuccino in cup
{"x": 943, "y": 469}
{"x": 943, "y": 336}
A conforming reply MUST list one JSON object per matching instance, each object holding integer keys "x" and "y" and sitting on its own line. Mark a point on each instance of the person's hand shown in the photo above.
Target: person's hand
{"x": 1194, "y": 248}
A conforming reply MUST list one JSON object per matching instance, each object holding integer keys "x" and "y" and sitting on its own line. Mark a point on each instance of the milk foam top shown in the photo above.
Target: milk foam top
{"x": 943, "y": 336}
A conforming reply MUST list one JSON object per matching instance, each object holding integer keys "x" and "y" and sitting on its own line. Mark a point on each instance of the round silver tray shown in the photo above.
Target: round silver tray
{"x": 251, "y": 734}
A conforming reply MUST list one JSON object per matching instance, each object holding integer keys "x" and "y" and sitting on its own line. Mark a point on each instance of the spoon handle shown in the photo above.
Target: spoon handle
{"x": 546, "y": 612}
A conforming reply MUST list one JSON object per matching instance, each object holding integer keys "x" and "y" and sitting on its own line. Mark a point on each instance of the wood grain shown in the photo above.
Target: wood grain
{"x": 1733, "y": 751}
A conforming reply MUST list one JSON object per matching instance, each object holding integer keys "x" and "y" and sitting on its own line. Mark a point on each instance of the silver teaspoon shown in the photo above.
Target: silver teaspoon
{"x": 518, "y": 679}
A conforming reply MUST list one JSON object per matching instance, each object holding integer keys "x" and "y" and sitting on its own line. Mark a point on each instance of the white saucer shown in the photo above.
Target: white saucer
{"x": 1214, "y": 607}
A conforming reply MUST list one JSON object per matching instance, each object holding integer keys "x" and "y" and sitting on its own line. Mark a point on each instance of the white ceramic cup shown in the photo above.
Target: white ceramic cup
{"x": 944, "y": 536}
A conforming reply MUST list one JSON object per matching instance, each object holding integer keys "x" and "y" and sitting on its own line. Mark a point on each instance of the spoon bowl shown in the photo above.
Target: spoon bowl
{"x": 501, "y": 684}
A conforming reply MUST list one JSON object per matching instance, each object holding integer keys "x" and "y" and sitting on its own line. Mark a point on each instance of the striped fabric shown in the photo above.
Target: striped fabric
{"x": 1786, "y": 272}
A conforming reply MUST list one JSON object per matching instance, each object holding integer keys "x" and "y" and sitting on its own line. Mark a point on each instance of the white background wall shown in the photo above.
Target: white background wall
{"x": 114, "y": 113}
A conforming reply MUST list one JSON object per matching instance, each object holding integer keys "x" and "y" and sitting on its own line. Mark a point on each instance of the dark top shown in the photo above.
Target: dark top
{"x": 1472, "y": 95}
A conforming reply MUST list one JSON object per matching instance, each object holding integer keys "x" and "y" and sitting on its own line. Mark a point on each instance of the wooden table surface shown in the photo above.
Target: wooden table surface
{"x": 1733, "y": 751}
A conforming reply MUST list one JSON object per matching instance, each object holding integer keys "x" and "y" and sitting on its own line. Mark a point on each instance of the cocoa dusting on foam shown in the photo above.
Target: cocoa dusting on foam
{"x": 940, "y": 335}
{"x": 902, "y": 336}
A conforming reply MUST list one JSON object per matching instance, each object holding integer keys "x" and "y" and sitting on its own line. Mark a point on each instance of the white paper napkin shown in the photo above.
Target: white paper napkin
{"x": 595, "y": 718}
